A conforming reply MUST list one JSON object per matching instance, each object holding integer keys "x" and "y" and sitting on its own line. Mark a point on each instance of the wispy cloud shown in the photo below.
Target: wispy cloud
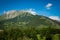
{"x": 48, "y": 6}
{"x": 55, "y": 18}
{"x": 31, "y": 11}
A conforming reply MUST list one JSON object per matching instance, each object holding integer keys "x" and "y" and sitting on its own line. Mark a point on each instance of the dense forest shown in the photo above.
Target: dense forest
{"x": 30, "y": 33}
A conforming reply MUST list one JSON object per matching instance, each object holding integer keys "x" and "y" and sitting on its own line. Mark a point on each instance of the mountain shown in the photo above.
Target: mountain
{"x": 24, "y": 19}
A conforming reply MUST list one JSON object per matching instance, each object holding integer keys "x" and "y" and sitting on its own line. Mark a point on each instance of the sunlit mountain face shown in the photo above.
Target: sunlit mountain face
{"x": 14, "y": 13}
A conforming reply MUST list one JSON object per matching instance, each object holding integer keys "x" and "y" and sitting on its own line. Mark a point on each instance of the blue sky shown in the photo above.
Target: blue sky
{"x": 42, "y": 7}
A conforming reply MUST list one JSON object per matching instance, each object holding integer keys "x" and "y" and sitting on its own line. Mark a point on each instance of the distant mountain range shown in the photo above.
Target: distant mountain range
{"x": 24, "y": 19}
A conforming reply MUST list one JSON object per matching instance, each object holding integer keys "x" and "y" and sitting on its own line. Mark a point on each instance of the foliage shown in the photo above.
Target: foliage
{"x": 27, "y": 34}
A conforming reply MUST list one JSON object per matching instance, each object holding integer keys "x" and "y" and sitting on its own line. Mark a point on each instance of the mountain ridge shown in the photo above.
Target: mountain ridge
{"x": 26, "y": 19}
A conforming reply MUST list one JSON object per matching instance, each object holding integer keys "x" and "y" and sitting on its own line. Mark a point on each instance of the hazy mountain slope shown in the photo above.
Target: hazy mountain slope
{"x": 22, "y": 19}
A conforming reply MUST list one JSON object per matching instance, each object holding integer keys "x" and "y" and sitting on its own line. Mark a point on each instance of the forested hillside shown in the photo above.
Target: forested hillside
{"x": 22, "y": 25}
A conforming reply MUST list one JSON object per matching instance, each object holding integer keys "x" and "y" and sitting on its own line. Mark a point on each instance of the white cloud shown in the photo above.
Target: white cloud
{"x": 31, "y": 11}
{"x": 48, "y": 6}
{"x": 55, "y": 18}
